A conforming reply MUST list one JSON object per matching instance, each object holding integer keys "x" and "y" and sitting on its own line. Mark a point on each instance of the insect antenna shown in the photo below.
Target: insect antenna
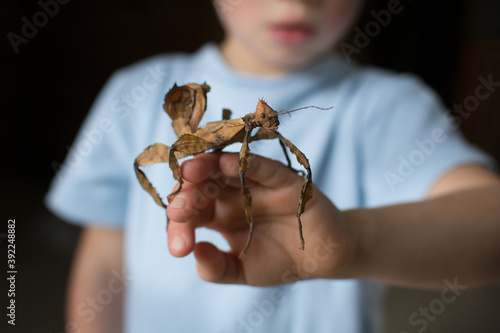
{"x": 302, "y": 108}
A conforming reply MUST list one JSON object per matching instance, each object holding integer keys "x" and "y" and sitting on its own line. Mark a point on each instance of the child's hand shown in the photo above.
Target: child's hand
{"x": 211, "y": 197}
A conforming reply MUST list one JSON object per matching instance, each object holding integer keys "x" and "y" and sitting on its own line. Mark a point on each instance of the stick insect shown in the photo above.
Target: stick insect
{"x": 186, "y": 106}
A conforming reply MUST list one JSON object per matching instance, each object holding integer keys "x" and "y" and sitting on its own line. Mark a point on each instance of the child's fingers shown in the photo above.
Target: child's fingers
{"x": 204, "y": 167}
{"x": 224, "y": 169}
{"x": 267, "y": 172}
{"x": 216, "y": 266}
{"x": 181, "y": 239}
{"x": 225, "y": 200}
{"x": 197, "y": 203}
{"x": 181, "y": 208}
{"x": 183, "y": 213}
{"x": 217, "y": 209}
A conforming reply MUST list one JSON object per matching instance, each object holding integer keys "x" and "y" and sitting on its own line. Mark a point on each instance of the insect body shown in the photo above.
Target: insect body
{"x": 186, "y": 105}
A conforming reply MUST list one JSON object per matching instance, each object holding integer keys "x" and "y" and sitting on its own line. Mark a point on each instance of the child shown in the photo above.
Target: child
{"x": 399, "y": 196}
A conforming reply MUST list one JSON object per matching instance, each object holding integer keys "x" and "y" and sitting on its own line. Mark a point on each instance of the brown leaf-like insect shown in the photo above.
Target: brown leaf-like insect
{"x": 186, "y": 106}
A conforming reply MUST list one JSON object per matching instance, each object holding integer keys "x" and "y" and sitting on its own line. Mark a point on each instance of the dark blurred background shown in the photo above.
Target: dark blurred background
{"x": 49, "y": 84}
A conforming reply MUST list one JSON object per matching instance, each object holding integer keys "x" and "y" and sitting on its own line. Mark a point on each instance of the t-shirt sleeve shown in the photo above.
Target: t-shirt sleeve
{"x": 92, "y": 185}
{"x": 409, "y": 140}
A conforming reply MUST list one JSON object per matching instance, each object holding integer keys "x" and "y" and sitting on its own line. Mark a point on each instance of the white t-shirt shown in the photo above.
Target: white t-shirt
{"x": 387, "y": 140}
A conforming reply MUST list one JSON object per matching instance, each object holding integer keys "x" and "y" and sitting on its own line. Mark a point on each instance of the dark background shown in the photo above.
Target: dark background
{"x": 49, "y": 85}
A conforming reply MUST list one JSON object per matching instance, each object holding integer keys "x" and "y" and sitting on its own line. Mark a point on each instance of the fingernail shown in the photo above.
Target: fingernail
{"x": 178, "y": 243}
{"x": 178, "y": 202}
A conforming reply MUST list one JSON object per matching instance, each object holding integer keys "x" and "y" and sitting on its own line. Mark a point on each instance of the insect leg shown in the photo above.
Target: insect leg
{"x": 188, "y": 144}
{"x": 176, "y": 170}
{"x": 264, "y": 134}
{"x": 307, "y": 189}
{"x": 156, "y": 153}
{"x": 226, "y": 114}
{"x": 300, "y": 172}
{"x": 245, "y": 190}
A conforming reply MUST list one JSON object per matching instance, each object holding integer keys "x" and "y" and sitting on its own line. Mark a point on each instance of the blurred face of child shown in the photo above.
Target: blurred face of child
{"x": 283, "y": 34}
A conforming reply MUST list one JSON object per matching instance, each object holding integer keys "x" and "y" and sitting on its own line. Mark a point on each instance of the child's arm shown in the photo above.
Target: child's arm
{"x": 95, "y": 275}
{"x": 453, "y": 234}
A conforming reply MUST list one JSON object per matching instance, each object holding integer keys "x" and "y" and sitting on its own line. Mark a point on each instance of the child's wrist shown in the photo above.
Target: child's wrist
{"x": 354, "y": 253}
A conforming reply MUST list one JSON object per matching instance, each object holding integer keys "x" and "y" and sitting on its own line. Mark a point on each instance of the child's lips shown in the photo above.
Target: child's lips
{"x": 292, "y": 32}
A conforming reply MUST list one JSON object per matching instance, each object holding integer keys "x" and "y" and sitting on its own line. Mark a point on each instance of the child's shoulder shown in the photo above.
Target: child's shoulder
{"x": 378, "y": 94}
{"x": 152, "y": 76}
{"x": 384, "y": 86}
{"x": 158, "y": 65}
{"x": 171, "y": 65}
{"x": 376, "y": 79}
